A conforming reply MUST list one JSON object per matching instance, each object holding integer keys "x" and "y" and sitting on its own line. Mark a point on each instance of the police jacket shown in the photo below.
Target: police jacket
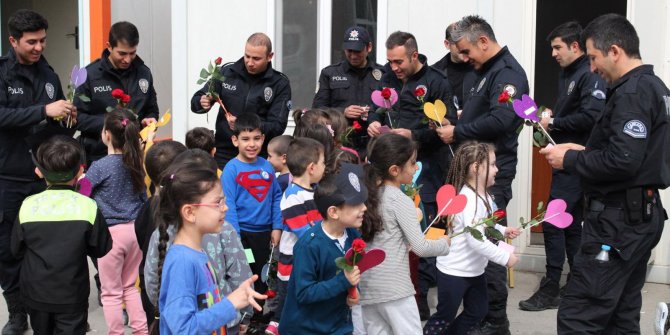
{"x": 581, "y": 98}
{"x": 628, "y": 146}
{"x": 267, "y": 94}
{"x": 24, "y": 93}
{"x": 485, "y": 119}
{"x": 455, "y": 72}
{"x": 408, "y": 114}
{"x": 101, "y": 79}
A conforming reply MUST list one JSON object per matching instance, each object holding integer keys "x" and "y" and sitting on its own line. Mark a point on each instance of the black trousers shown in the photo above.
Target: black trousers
{"x": 12, "y": 194}
{"x": 496, "y": 275}
{"x": 58, "y": 323}
{"x": 451, "y": 291}
{"x": 559, "y": 243}
{"x": 259, "y": 243}
{"x": 605, "y": 298}
{"x": 427, "y": 267}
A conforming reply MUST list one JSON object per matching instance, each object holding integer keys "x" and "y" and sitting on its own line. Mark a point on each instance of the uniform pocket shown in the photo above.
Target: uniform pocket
{"x": 595, "y": 278}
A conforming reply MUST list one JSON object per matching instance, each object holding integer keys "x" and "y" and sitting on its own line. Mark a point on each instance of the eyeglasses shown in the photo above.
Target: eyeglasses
{"x": 221, "y": 204}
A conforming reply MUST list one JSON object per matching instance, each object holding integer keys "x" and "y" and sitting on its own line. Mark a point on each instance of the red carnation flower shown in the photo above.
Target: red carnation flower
{"x": 218, "y": 61}
{"x": 125, "y": 98}
{"x": 504, "y": 97}
{"x": 386, "y": 93}
{"x": 357, "y": 126}
{"x": 271, "y": 294}
{"x": 117, "y": 93}
{"x": 499, "y": 215}
{"x": 419, "y": 92}
{"x": 358, "y": 245}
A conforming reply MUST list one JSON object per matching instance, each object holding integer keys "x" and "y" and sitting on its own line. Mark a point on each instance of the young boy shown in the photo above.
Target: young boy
{"x": 317, "y": 301}
{"x": 277, "y": 150}
{"x": 203, "y": 139}
{"x": 252, "y": 194}
{"x": 306, "y": 162}
{"x": 59, "y": 227}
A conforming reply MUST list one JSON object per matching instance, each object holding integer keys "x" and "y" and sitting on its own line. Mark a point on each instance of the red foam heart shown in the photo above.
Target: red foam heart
{"x": 370, "y": 259}
{"x": 448, "y": 203}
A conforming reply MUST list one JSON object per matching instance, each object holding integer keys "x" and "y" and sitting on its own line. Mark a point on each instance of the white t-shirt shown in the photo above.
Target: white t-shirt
{"x": 341, "y": 240}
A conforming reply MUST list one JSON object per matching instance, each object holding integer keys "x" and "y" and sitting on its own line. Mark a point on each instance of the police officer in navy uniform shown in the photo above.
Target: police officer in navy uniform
{"x": 119, "y": 67}
{"x": 581, "y": 99}
{"x": 623, "y": 165}
{"x": 31, "y": 98}
{"x": 486, "y": 119}
{"x": 347, "y": 85}
{"x": 453, "y": 66}
{"x": 251, "y": 85}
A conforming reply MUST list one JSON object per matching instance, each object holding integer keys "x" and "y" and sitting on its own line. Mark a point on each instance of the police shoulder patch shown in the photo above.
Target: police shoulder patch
{"x": 144, "y": 85}
{"x": 635, "y": 129}
{"x": 571, "y": 87}
{"x": 50, "y": 90}
{"x": 511, "y": 89}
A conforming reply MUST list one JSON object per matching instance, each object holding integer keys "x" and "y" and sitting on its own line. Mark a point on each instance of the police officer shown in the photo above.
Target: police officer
{"x": 251, "y": 85}
{"x": 484, "y": 118}
{"x": 623, "y": 165}
{"x": 453, "y": 66}
{"x": 31, "y": 98}
{"x": 118, "y": 67}
{"x": 581, "y": 99}
{"x": 347, "y": 85}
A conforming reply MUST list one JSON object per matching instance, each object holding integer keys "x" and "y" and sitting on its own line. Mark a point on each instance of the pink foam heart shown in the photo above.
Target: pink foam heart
{"x": 526, "y": 108}
{"x": 378, "y": 100}
{"x": 448, "y": 203}
{"x": 384, "y": 129}
{"x": 556, "y": 214}
{"x": 507, "y": 247}
{"x": 84, "y": 187}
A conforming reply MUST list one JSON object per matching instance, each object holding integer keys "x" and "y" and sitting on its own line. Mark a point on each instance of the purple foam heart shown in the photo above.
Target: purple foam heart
{"x": 556, "y": 214}
{"x": 84, "y": 187}
{"x": 526, "y": 108}
{"x": 73, "y": 74}
{"x": 378, "y": 100}
{"x": 78, "y": 76}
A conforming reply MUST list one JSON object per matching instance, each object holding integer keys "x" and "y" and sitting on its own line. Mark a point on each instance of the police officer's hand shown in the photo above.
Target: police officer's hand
{"x": 446, "y": 134}
{"x": 148, "y": 121}
{"x": 231, "y": 120}
{"x": 513, "y": 259}
{"x": 403, "y": 132}
{"x": 354, "y": 112}
{"x": 555, "y": 153}
{"x": 373, "y": 129}
{"x": 60, "y": 109}
{"x": 206, "y": 101}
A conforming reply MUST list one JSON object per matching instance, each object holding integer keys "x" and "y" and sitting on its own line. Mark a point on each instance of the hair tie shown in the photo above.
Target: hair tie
{"x": 124, "y": 122}
{"x": 304, "y": 110}
{"x": 330, "y": 129}
{"x": 172, "y": 176}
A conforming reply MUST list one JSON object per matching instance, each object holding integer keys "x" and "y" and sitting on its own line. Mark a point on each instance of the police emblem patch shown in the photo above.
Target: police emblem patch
{"x": 377, "y": 74}
{"x": 267, "y": 93}
{"x": 598, "y": 94}
{"x": 50, "y": 90}
{"x": 353, "y": 35}
{"x": 635, "y": 129}
{"x": 571, "y": 87}
{"x": 481, "y": 84}
{"x": 144, "y": 85}
{"x": 511, "y": 89}
{"x": 353, "y": 179}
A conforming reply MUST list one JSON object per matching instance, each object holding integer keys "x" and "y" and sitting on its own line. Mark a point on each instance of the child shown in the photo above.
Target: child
{"x": 252, "y": 193}
{"x": 203, "y": 139}
{"x": 461, "y": 273}
{"x": 224, "y": 249}
{"x": 306, "y": 117}
{"x": 391, "y": 224}
{"x": 117, "y": 182}
{"x": 157, "y": 159}
{"x": 317, "y": 301}
{"x": 58, "y": 228}
{"x": 192, "y": 201}
{"x": 277, "y": 149}
{"x": 306, "y": 162}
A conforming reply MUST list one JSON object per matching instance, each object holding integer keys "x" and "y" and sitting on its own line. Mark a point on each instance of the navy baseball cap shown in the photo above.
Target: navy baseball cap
{"x": 356, "y": 38}
{"x": 349, "y": 188}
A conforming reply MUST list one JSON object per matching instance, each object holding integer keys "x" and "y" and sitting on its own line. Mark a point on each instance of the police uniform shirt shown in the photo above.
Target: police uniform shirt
{"x": 628, "y": 146}
{"x": 485, "y": 119}
{"x": 101, "y": 79}
{"x": 455, "y": 72}
{"x": 341, "y": 85}
{"x": 266, "y": 94}
{"x": 25, "y": 90}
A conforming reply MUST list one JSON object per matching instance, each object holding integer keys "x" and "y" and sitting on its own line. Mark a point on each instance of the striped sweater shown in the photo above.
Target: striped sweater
{"x": 299, "y": 213}
{"x": 390, "y": 280}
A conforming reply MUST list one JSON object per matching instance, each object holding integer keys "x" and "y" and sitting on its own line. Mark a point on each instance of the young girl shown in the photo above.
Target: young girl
{"x": 461, "y": 273}
{"x": 191, "y": 200}
{"x": 117, "y": 182}
{"x": 391, "y": 224}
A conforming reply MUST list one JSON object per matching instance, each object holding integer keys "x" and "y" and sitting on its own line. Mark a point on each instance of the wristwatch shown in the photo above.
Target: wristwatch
{"x": 550, "y": 125}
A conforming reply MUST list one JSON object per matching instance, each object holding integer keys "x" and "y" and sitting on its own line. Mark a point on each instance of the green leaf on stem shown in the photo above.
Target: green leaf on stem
{"x": 381, "y": 110}
{"x": 518, "y": 130}
{"x": 540, "y": 206}
{"x": 475, "y": 233}
{"x": 533, "y": 223}
{"x": 494, "y": 233}
{"x": 204, "y": 74}
{"x": 489, "y": 222}
{"x": 342, "y": 264}
{"x": 201, "y": 81}
{"x": 210, "y": 67}
{"x": 83, "y": 98}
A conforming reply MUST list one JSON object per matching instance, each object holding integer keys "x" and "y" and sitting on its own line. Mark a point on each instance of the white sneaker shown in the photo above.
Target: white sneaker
{"x": 662, "y": 322}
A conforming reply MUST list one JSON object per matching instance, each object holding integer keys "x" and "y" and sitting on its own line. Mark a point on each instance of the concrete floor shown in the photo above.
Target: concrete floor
{"x": 526, "y": 323}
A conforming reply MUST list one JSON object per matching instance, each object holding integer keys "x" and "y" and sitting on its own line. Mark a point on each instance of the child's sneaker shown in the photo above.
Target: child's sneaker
{"x": 662, "y": 322}
{"x": 272, "y": 329}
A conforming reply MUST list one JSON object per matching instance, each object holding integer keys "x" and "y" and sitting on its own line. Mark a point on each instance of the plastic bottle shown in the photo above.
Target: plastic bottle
{"x": 604, "y": 254}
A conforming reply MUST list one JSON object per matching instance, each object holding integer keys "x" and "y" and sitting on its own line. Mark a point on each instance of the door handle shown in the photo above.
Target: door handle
{"x": 76, "y": 37}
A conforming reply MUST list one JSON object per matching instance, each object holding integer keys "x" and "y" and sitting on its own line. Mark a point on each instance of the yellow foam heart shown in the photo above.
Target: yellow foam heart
{"x": 435, "y": 233}
{"x": 164, "y": 119}
{"x": 436, "y": 111}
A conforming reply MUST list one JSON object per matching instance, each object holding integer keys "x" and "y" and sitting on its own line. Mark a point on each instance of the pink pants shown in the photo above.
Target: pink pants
{"x": 119, "y": 270}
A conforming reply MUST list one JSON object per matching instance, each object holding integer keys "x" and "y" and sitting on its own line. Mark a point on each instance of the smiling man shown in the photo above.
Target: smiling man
{"x": 119, "y": 67}
{"x": 250, "y": 85}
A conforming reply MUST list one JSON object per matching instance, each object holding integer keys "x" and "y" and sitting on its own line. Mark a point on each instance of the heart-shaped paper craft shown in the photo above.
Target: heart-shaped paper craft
{"x": 384, "y": 129}
{"x": 448, "y": 202}
{"x": 78, "y": 76}
{"x": 381, "y": 102}
{"x": 417, "y": 173}
{"x": 556, "y": 214}
{"x": 84, "y": 187}
{"x": 436, "y": 111}
{"x": 526, "y": 108}
{"x": 165, "y": 119}
{"x": 370, "y": 259}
